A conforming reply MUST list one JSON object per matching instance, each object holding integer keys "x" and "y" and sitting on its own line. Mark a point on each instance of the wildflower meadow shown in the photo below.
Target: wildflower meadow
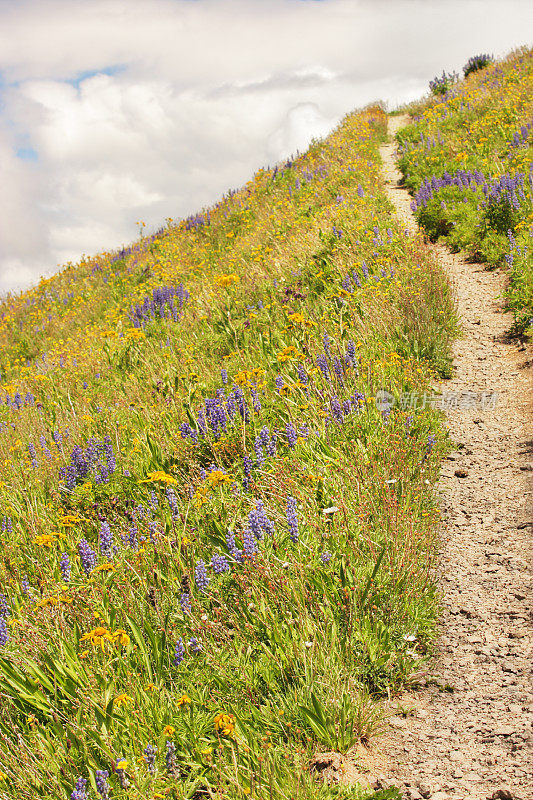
{"x": 217, "y": 539}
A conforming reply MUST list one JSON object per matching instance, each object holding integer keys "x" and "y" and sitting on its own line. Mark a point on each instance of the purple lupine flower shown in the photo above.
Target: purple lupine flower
{"x": 106, "y": 540}
{"x": 336, "y": 410}
{"x": 304, "y": 432}
{"x": 322, "y": 362}
{"x": 5, "y": 610}
{"x": 172, "y": 502}
{"x": 249, "y": 543}
{"x": 279, "y": 382}
{"x": 264, "y": 435}
{"x": 224, "y": 376}
{"x": 185, "y": 602}
{"x": 256, "y": 402}
{"x": 271, "y": 446}
{"x": 179, "y": 652}
{"x": 132, "y": 538}
{"x": 149, "y": 757}
{"x": 255, "y": 524}
{"x": 339, "y": 372}
{"x": 350, "y": 349}
{"x": 258, "y": 449}
{"x": 232, "y": 548}
{"x": 200, "y": 576}
{"x": 79, "y": 792}
{"x": 347, "y": 284}
{"x": 242, "y": 405}
{"x": 195, "y": 645}
{"x": 64, "y": 566}
{"x": 302, "y": 374}
{"x": 325, "y": 557}
{"x": 170, "y": 758}
{"x": 25, "y": 585}
{"x": 247, "y": 465}
{"x": 292, "y": 518}
{"x": 326, "y": 341}
{"x": 87, "y": 556}
{"x": 219, "y": 564}
{"x": 109, "y": 454}
{"x": 102, "y": 786}
{"x": 4, "y": 633}
{"x": 292, "y": 436}
{"x": 266, "y": 524}
{"x": 33, "y": 455}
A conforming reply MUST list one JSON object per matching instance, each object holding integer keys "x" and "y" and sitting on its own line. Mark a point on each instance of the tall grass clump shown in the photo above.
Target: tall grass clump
{"x": 467, "y": 158}
{"x": 217, "y": 542}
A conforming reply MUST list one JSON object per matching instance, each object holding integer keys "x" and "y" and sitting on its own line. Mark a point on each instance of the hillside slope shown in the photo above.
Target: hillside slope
{"x": 218, "y": 531}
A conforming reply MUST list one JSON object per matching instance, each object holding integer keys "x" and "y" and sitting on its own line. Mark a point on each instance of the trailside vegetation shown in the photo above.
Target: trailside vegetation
{"x": 467, "y": 158}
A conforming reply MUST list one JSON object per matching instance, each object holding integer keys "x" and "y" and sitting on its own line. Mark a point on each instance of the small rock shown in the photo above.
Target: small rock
{"x": 424, "y": 789}
{"x": 527, "y": 467}
{"x": 501, "y": 794}
{"x": 461, "y": 473}
{"x": 504, "y": 730}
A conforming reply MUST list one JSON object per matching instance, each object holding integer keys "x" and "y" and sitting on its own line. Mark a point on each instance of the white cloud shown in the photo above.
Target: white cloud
{"x": 145, "y": 109}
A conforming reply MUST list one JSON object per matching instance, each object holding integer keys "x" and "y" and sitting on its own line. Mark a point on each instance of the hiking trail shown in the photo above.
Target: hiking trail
{"x": 466, "y": 734}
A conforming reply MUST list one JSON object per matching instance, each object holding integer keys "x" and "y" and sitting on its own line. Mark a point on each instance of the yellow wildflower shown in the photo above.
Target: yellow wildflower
{"x": 53, "y": 600}
{"x": 297, "y": 318}
{"x": 226, "y": 280}
{"x": 107, "y": 567}
{"x": 45, "y": 540}
{"x": 98, "y": 636}
{"x": 159, "y": 475}
{"x": 216, "y": 477}
{"x": 168, "y": 730}
{"x": 225, "y": 724}
{"x": 122, "y": 637}
{"x": 183, "y": 700}
{"x": 122, "y": 699}
{"x": 150, "y": 687}
{"x": 135, "y": 334}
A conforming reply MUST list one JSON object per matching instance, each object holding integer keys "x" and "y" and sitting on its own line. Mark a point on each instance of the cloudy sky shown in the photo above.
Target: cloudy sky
{"x": 117, "y": 111}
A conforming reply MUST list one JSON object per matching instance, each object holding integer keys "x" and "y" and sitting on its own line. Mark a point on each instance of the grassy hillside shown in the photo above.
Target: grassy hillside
{"x": 217, "y": 533}
{"x": 468, "y": 160}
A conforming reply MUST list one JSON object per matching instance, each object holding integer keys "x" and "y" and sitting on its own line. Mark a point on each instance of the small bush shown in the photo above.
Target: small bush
{"x": 477, "y": 62}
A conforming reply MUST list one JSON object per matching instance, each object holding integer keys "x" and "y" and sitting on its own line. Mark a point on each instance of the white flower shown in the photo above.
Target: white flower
{"x": 409, "y": 637}
{"x": 330, "y": 510}
{"x": 308, "y": 644}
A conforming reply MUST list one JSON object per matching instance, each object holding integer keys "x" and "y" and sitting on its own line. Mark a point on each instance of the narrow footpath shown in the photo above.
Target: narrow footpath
{"x": 466, "y": 734}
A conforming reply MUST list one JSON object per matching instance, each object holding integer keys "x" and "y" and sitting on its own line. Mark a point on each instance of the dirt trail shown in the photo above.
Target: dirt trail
{"x": 475, "y": 742}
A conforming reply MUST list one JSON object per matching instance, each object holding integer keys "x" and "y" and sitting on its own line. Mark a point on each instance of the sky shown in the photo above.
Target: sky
{"x": 116, "y": 112}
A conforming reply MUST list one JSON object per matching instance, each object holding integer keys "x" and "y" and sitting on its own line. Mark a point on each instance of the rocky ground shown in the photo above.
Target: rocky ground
{"x": 466, "y": 733}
